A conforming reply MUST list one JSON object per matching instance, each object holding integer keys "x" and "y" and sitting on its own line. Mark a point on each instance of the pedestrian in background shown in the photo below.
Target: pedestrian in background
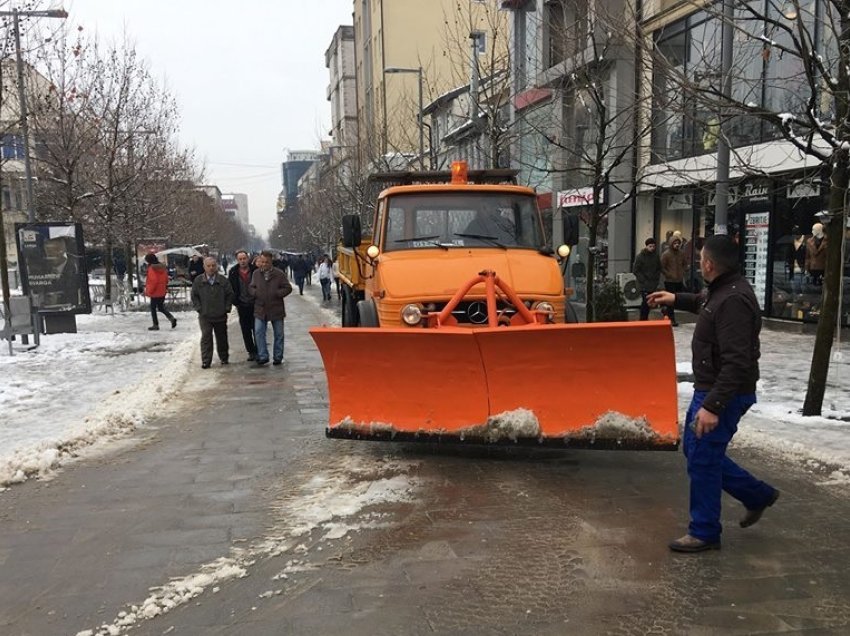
{"x": 325, "y": 274}
{"x": 647, "y": 271}
{"x": 156, "y": 287}
{"x": 336, "y": 280}
{"x": 212, "y": 298}
{"x": 673, "y": 267}
{"x": 196, "y": 267}
{"x": 269, "y": 286}
{"x": 240, "y": 281}
{"x": 725, "y": 365}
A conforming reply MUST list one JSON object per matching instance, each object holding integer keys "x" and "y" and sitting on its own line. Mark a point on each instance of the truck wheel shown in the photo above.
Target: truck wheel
{"x": 349, "y": 309}
{"x": 570, "y": 315}
{"x": 368, "y": 313}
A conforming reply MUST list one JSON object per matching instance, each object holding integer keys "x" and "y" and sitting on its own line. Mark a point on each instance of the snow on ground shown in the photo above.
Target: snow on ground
{"x": 329, "y": 505}
{"x": 79, "y": 388}
{"x": 775, "y": 423}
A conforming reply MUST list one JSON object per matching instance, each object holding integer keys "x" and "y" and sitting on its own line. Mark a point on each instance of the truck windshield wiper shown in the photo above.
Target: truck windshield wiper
{"x": 483, "y": 237}
{"x": 424, "y": 239}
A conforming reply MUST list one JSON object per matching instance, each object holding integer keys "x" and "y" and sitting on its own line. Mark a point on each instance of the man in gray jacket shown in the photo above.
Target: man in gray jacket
{"x": 269, "y": 286}
{"x": 212, "y": 298}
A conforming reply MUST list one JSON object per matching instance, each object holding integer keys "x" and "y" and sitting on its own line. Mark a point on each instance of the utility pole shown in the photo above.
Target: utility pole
{"x": 4, "y": 263}
{"x": 721, "y": 197}
{"x": 22, "y": 97}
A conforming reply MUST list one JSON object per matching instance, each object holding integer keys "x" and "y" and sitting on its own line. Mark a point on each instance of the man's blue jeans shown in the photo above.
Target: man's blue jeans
{"x": 260, "y": 329}
{"x": 711, "y": 472}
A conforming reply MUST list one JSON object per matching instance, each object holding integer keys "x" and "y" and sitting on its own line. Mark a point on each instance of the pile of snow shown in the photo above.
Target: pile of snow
{"x": 79, "y": 389}
{"x": 617, "y": 426}
{"x": 508, "y": 425}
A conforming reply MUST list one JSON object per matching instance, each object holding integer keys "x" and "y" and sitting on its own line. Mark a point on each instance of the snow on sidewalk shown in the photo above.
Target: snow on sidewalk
{"x": 78, "y": 389}
{"x": 775, "y": 423}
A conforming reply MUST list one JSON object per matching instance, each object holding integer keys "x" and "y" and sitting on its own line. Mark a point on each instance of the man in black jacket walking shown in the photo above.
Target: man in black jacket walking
{"x": 647, "y": 271}
{"x": 725, "y": 365}
{"x": 240, "y": 280}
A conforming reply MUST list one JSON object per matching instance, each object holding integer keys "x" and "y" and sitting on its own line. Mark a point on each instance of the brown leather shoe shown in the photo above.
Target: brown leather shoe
{"x": 692, "y": 544}
{"x": 752, "y": 516}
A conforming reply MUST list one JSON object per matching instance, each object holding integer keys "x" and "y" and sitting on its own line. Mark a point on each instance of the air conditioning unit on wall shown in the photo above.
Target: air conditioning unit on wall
{"x": 629, "y": 288}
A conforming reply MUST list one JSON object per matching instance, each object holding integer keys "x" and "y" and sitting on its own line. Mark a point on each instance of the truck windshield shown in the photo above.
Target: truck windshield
{"x": 466, "y": 219}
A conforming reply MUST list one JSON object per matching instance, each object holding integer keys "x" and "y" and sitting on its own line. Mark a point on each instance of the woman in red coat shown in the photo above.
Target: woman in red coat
{"x": 156, "y": 286}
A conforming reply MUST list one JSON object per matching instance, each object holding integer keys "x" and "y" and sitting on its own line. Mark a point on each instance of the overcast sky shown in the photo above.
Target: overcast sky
{"x": 249, "y": 75}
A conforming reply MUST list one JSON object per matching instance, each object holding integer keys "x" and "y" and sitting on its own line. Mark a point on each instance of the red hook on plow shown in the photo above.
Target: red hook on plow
{"x": 524, "y": 315}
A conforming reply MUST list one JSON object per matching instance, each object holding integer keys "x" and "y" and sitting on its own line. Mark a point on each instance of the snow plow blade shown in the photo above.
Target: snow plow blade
{"x": 600, "y": 385}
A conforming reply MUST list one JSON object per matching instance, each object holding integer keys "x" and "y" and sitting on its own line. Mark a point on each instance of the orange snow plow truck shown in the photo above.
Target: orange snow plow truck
{"x": 456, "y": 327}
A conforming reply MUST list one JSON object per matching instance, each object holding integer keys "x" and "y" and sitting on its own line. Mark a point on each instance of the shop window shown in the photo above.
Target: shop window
{"x": 798, "y": 260}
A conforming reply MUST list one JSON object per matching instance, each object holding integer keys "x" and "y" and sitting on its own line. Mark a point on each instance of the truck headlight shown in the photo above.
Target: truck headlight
{"x": 545, "y": 307}
{"x": 411, "y": 315}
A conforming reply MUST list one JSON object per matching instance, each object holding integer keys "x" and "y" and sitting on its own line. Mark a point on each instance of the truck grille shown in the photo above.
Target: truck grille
{"x": 474, "y": 312}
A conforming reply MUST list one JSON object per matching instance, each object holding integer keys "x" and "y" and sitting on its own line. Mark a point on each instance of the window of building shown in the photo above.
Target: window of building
{"x": 480, "y": 39}
{"x": 12, "y": 146}
{"x": 763, "y": 75}
{"x": 668, "y": 129}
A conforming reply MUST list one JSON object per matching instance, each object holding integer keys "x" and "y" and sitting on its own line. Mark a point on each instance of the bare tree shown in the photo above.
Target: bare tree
{"x": 789, "y": 80}
{"x": 477, "y": 34}
{"x": 591, "y": 55}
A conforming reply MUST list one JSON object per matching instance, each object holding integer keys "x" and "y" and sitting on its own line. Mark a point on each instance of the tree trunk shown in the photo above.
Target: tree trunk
{"x": 107, "y": 264}
{"x": 831, "y": 286}
{"x": 128, "y": 260}
{"x": 591, "y": 268}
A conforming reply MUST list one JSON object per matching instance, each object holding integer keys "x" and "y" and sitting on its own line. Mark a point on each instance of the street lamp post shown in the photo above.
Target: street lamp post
{"x": 721, "y": 197}
{"x": 16, "y": 13}
{"x": 418, "y": 71}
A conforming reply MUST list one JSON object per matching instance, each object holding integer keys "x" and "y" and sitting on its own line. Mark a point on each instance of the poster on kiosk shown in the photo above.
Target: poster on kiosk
{"x": 53, "y": 265}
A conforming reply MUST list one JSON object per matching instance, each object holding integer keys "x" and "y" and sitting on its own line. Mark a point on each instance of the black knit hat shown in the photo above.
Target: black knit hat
{"x": 649, "y": 241}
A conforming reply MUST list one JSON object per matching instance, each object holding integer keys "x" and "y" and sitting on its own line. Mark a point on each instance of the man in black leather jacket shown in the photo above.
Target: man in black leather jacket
{"x": 725, "y": 354}
{"x": 240, "y": 280}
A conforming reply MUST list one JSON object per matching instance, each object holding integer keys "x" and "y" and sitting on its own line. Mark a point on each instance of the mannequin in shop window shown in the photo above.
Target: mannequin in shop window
{"x": 797, "y": 260}
{"x": 816, "y": 254}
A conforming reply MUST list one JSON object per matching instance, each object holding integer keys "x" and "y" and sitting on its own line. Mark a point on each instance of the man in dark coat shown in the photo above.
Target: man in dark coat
{"x": 212, "y": 298}
{"x": 303, "y": 268}
{"x": 647, "y": 271}
{"x": 240, "y": 280}
{"x": 269, "y": 286}
{"x": 725, "y": 365}
{"x": 196, "y": 267}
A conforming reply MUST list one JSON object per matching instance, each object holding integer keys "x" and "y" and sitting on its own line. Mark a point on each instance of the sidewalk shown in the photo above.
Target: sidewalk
{"x": 173, "y": 498}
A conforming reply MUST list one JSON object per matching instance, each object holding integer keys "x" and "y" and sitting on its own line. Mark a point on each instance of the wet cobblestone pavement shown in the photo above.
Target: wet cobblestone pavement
{"x": 494, "y": 541}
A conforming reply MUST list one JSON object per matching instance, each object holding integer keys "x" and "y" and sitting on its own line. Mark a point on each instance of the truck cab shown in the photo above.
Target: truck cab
{"x": 431, "y": 233}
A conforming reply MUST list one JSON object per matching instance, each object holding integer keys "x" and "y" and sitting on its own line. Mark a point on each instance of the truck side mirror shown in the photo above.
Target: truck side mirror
{"x": 351, "y": 230}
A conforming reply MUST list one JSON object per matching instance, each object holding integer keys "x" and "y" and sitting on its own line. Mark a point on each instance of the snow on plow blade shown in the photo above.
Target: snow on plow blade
{"x": 601, "y": 385}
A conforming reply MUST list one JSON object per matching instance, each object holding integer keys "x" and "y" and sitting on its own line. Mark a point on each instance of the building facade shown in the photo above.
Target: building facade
{"x": 434, "y": 40}
{"x": 573, "y": 113}
{"x": 777, "y": 195}
{"x": 342, "y": 89}
{"x": 296, "y": 164}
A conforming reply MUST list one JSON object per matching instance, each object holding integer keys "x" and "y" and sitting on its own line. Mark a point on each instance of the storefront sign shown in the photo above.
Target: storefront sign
{"x": 759, "y": 191}
{"x": 53, "y": 265}
{"x": 575, "y": 197}
{"x": 755, "y": 253}
{"x": 802, "y": 189}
